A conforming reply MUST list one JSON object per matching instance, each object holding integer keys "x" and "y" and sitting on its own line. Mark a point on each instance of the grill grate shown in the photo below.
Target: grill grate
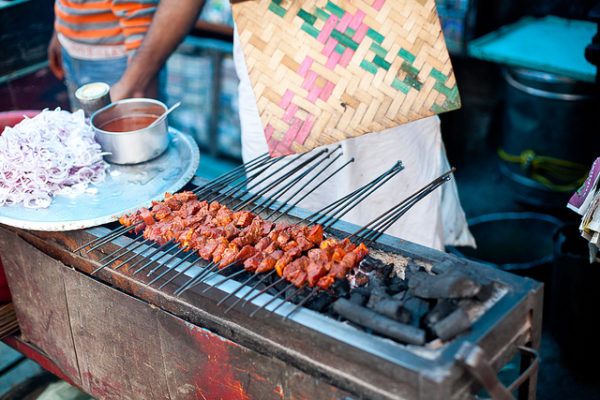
{"x": 272, "y": 187}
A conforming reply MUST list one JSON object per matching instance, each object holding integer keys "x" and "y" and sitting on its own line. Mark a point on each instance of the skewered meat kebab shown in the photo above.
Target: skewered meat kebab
{"x": 214, "y": 231}
{"x": 144, "y": 217}
{"x": 321, "y": 266}
{"x": 210, "y": 229}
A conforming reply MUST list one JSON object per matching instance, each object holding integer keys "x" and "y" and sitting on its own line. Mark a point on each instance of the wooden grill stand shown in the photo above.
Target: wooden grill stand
{"x": 117, "y": 338}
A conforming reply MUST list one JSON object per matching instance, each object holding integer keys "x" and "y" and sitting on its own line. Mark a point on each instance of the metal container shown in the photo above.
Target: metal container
{"x": 552, "y": 116}
{"x": 136, "y": 146}
{"x": 512, "y": 241}
{"x": 93, "y": 96}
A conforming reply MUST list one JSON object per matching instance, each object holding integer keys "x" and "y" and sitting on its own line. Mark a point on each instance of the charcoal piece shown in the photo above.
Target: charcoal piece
{"x": 411, "y": 267}
{"x": 455, "y": 323}
{"x": 385, "y": 271}
{"x": 364, "y": 290}
{"x": 319, "y": 302}
{"x": 449, "y": 285}
{"x": 377, "y": 294}
{"x": 393, "y": 309}
{"x": 440, "y": 311}
{"x": 377, "y": 281}
{"x": 358, "y": 298}
{"x": 486, "y": 292}
{"x": 400, "y": 295}
{"x": 341, "y": 287}
{"x": 449, "y": 263}
{"x": 378, "y": 323}
{"x": 296, "y": 297}
{"x": 397, "y": 285}
{"x": 361, "y": 279}
{"x": 417, "y": 308}
{"x": 415, "y": 278}
{"x": 369, "y": 263}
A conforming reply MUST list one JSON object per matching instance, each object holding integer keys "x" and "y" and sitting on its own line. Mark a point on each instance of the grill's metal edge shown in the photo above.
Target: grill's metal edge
{"x": 435, "y": 364}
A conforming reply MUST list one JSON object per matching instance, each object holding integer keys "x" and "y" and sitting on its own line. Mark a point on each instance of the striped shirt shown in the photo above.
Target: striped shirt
{"x": 96, "y": 29}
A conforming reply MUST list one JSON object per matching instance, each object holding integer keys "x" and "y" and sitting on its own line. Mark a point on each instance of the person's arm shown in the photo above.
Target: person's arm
{"x": 55, "y": 57}
{"x": 171, "y": 23}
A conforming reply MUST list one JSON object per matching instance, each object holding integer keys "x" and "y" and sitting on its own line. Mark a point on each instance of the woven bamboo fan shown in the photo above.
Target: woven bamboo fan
{"x": 326, "y": 70}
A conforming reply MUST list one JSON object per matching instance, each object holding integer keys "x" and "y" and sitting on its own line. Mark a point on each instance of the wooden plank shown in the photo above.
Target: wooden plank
{"x": 116, "y": 341}
{"x": 40, "y": 303}
{"x": 345, "y": 366}
{"x": 128, "y": 349}
{"x": 202, "y": 365}
{"x": 342, "y": 365}
{"x": 150, "y": 354}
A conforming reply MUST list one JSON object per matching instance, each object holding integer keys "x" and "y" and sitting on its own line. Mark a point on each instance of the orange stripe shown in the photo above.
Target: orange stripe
{"x": 133, "y": 45}
{"x": 86, "y": 19}
{"x": 137, "y": 21}
{"x": 133, "y": 31}
{"x": 91, "y": 34}
{"x": 128, "y": 7}
{"x": 87, "y": 6}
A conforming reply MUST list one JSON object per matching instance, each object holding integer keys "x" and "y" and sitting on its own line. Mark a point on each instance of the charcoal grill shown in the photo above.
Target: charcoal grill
{"x": 280, "y": 326}
{"x": 170, "y": 257}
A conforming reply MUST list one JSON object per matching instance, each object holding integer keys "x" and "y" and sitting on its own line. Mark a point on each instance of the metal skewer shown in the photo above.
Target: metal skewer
{"x": 214, "y": 272}
{"x": 191, "y": 253}
{"x": 291, "y": 206}
{"x": 107, "y": 263}
{"x": 275, "y": 296}
{"x": 192, "y": 280}
{"x": 288, "y": 298}
{"x": 285, "y": 188}
{"x": 180, "y": 272}
{"x": 242, "y": 286}
{"x": 279, "y": 181}
{"x": 231, "y": 192}
{"x": 168, "y": 261}
{"x": 166, "y": 253}
{"x": 108, "y": 237}
{"x": 236, "y": 172}
{"x": 261, "y": 280}
{"x": 223, "y": 280}
{"x": 303, "y": 302}
{"x": 125, "y": 248}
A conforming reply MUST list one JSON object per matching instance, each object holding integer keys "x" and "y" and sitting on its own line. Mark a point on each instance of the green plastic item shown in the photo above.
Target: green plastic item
{"x": 550, "y": 44}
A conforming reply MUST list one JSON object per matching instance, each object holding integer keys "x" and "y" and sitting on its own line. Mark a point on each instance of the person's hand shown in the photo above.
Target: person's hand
{"x": 55, "y": 57}
{"x": 122, "y": 90}
{"x": 127, "y": 88}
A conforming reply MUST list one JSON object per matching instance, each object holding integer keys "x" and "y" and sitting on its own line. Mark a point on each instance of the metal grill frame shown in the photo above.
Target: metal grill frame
{"x": 514, "y": 320}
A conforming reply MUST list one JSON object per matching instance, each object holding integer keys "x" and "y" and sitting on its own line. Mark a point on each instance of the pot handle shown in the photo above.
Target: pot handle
{"x": 472, "y": 357}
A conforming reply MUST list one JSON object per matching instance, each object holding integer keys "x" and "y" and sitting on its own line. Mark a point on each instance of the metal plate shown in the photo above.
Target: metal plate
{"x": 126, "y": 188}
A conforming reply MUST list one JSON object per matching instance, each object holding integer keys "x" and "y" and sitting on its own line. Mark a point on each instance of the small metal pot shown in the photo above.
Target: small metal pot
{"x": 134, "y": 146}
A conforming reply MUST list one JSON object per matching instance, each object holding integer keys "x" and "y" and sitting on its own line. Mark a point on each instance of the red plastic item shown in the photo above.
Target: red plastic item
{"x": 10, "y": 118}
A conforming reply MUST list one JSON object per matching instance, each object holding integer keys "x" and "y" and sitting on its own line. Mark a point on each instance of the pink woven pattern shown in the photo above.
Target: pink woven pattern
{"x": 326, "y": 70}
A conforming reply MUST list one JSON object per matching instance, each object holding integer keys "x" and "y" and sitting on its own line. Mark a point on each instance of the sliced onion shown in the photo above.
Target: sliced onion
{"x": 52, "y": 153}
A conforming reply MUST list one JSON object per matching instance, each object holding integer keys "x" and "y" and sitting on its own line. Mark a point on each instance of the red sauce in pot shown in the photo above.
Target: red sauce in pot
{"x": 129, "y": 123}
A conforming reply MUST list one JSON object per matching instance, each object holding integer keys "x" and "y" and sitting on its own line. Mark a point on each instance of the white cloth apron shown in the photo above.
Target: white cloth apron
{"x": 435, "y": 221}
